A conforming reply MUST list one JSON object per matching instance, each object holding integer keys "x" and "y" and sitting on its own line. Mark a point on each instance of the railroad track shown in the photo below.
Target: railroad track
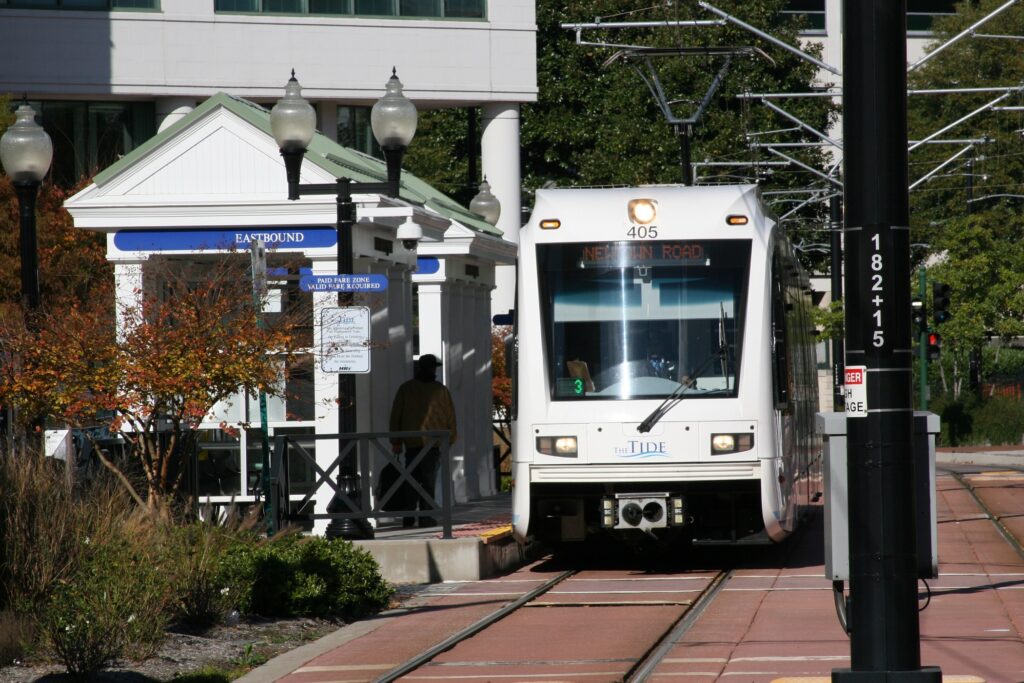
{"x": 637, "y": 619}
{"x": 992, "y": 515}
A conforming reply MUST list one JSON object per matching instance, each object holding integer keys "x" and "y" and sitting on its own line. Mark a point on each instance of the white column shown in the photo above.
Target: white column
{"x": 128, "y": 288}
{"x": 481, "y": 406}
{"x": 325, "y": 394}
{"x": 499, "y": 151}
{"x": 458, "y": 377}
{"x": 170, "y": 110}
{"x": 433, "y": 319}
{"x": 489, "y": 487}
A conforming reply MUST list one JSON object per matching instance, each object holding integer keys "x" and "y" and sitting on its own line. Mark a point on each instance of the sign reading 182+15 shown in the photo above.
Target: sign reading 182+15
{"x": 343, "y": 283}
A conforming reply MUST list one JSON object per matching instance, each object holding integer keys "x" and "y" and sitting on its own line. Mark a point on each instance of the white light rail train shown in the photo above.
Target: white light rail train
{"x": 665, "y": 374}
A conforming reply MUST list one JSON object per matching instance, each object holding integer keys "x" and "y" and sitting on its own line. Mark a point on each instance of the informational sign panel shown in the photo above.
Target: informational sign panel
{"x": 345, "y": 340}
{"x": 855, "y": 391}
{"x": 343, "y": 283}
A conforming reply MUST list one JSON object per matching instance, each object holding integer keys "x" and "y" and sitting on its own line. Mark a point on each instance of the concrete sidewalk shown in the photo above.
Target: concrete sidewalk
{"x": 989, "y": 456}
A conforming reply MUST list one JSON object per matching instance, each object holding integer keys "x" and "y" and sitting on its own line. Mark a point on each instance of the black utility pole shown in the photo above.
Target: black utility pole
{"x": 835, "y": 208}
{"x": 975, "y": 363}
{"x": 882, "y": 617}
{"x": 684, "y": 131}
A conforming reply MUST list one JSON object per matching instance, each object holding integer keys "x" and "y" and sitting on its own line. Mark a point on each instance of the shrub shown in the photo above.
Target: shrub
{"x": 113, "y": 605}
{"x": 999, "y": 421}
{"x": 308, "y": 577}
{"x": 994, "y": 421}
{"x": 205, "y": 589}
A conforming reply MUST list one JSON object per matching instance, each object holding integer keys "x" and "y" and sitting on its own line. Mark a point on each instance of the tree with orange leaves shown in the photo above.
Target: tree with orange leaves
{"x": 183, "y": 348}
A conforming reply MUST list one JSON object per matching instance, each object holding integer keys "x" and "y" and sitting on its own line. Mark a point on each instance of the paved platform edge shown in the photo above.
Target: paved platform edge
{"x": 988, "y": 458}
{"x": 287, "y": 662}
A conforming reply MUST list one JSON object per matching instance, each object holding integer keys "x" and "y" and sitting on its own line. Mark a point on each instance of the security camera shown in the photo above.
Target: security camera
{"x": 409, "y": 233}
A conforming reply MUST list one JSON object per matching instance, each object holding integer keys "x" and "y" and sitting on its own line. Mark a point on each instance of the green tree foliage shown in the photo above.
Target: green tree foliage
{"x": 596, "y": 123}
{"x": 975, "y": 247}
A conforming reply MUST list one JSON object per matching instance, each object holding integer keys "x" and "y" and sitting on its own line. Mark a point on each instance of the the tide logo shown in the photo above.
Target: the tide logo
{"x": 636, "y": 448}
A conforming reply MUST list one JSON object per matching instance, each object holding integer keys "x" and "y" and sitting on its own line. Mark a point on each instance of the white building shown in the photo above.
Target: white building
{"x": 212, "y": 182}
{"x": 107, "y": 74}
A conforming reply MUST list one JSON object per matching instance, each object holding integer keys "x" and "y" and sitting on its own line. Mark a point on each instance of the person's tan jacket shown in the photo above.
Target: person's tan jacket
{"x": 422, "y": 406}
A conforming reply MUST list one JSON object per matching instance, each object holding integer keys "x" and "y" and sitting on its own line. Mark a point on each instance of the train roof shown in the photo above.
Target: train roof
{"x": 702, "y": 201}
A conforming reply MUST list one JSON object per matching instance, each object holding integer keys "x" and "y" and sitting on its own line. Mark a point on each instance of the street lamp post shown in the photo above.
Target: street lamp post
{"x": 393, "y": 119}
{"x": 26, "y": 152}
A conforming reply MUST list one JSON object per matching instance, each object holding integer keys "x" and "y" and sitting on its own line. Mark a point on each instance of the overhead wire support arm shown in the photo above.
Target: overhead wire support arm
{"x": 806, "y": 126}
{"x": 979, "y": 110}
{"x": 579, "y": 28}
{"x": 806, "y": 167}
{"x": 785, "y": 95}
{"x": 809, "y": 200}
{"x": 644, "y": 24}
{"x": 966, "y": 32}
{"x": 963, "y": 91}
{"x": 772, "y": 39}
{"x": 941, "y": 166}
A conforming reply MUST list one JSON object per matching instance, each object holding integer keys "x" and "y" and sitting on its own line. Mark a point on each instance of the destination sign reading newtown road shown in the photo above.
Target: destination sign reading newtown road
{"x": 343, "y": 283}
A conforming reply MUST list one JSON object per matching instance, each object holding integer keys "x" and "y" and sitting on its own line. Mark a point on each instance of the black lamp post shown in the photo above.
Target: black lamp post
{"x": 393, "y": 119}
{"x": 26, "y": 152}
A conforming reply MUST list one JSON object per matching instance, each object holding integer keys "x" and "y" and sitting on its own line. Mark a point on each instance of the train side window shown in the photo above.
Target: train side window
{"x": 780, "y": 354}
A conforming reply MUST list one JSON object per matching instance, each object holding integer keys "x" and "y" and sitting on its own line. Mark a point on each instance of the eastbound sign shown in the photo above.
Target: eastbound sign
{"x": 345, "y": 339}
{"x": 343, "y": 283}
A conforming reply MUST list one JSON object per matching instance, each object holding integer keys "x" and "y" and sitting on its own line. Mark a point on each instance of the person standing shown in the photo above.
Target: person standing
{"x": 423, "y": 404}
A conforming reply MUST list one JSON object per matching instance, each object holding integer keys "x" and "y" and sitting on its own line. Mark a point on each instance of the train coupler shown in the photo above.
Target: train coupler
{"x": 643, "y": 511}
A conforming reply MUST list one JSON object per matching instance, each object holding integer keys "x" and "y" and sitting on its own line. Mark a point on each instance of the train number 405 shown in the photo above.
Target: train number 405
{"x": 643, "y": 232}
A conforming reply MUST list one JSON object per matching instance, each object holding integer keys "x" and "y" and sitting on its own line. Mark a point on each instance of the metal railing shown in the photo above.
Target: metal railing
{"x": 356, "y": 452}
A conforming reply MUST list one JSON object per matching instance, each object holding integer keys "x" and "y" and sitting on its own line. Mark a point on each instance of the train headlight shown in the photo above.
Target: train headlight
{"x": 643, "y": 211}
{"x": 731, "y": 443}
{"x": 565, "y": 446}
{"x": 723, "y": 443}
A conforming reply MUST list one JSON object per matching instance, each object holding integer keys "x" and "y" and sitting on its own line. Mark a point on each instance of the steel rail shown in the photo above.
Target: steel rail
{"x": 646, "y": 666}
{"x": 471, "y": 630}
{"x": 991, "y": 516}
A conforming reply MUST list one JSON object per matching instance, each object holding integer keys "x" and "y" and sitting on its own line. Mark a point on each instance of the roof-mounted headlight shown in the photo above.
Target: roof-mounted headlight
{"x": 643, "y": 211}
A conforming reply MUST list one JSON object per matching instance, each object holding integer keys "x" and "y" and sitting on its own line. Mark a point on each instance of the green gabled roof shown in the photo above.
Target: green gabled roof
{"x": 334, "y": 158}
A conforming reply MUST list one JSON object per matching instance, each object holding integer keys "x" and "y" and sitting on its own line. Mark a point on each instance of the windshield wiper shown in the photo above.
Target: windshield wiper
{"x": 678, "y": 393}
{"x": 670, "y": 402}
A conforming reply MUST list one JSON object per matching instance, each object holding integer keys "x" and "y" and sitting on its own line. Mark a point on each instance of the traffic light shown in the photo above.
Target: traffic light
{"x": 919, "y": 316}
{"x": 940, "y": 302}
{"x": 934, "y": 345}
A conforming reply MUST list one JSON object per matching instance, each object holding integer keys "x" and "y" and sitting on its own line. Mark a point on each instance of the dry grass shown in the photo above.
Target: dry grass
{"x": 44, "y": 522}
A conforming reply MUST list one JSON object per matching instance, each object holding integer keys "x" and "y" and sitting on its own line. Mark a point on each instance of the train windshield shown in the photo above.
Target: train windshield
{"x": 629, "y": 320}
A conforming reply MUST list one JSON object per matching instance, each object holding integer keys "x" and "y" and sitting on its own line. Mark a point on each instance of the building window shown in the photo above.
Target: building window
{"x": 812, "y": 11}
{"x": 89, "y": 136}
{"x": 440, "y": 9}
{"x": 922, "y": 13}
{"x": 354, "y": 130}
{"x": 102, "y": 5}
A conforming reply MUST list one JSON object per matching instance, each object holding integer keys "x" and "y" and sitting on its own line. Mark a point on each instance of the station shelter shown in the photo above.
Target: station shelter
{"x": 214, "y": 182}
